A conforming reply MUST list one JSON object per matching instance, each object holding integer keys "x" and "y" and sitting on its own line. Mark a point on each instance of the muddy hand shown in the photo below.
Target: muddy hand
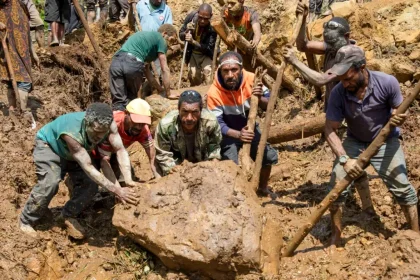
{"x": 302, "y": 8}
{"x": 254, "y": 43}
{"x": 126, "y": 195}
{"x": 245, "y": 135}
{"x": 257, "y": 90}
{"x": 352, "y": 168}
{"x": 289, "y": 54}
{"x": 133, "y": 184}
{"x": 398, "y": 120}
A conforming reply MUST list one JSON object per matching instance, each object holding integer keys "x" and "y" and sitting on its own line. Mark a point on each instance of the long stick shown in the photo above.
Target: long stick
{"x": 136, "y": 16}
{"x": 213, "y": 64}
{"x": 362, "y": 161}
{"x": 182, "y": 64}
{"x": 88, "y": 31}
{"x": 246, "y": 149}
{"x": 310, "y": 57}
{"x": 270, "y": 110}
{"x": 15, "y": 102}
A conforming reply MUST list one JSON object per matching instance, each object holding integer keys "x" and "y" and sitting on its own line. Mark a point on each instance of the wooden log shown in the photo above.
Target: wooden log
{"x": 233, "y": 38}
{"x": 214, "y": 62}
{"x": 296, "y": 130}
{"x": 270, "y": 110}
{"x": 339, "y": 187}
{"x": 245, "y": 152}
{"x": 310, "y": 57}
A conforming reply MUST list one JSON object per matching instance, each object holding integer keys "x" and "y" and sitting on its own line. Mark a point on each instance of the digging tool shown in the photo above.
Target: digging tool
{"x": 245, "y": 152}
{"x": 88, "y": 31}
{"x": 270, "y": 109}
{"x": 339, "y": 187}
{"x": 213, "y": 64}
{"x": 15, "y": 102}
{"x": 182, "y": 63}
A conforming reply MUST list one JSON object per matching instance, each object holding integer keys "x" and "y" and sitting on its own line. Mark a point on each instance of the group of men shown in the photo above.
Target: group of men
{"x": 80, "y": 144}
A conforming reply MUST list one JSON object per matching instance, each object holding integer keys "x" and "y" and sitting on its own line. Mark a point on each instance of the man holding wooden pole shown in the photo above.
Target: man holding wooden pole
{"x": 229, "y": 99}
{"x": 366, "y": 100}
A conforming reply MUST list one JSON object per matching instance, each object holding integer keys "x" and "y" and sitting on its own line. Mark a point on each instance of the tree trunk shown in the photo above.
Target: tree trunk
{"x": 297, "y": 130}
{"x": 232, "y": 38}
{"x": 362, "y": 161}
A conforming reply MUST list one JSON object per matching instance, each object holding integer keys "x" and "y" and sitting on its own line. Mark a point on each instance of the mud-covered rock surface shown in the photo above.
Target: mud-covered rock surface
{"x": 71, "y": 78}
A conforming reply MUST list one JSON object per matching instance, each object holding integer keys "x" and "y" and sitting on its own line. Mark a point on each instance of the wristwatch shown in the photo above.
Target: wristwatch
{"x": 343, "y": 159}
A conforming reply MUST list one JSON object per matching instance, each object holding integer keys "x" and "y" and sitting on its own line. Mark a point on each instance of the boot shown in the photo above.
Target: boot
{"x": 362, "y": 187}
{"x": 336, "y": 212}
{"x": 74, "y": 229}
{"x": 91, "y": 16}
{"x": 27, "y": 229}
{"x": 412, "y": 216}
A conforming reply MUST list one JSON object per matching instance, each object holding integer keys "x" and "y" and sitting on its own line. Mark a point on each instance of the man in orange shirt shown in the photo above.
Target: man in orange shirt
{"x": 244, "y": 19}
{"x": 133, "y": 126}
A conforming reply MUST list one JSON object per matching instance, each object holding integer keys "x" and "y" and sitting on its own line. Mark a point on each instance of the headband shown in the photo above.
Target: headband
{"x": 230, "y": 61}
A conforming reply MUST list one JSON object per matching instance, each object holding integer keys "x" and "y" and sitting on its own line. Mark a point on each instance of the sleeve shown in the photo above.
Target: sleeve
{"x": 335, "y": 110}
{"x": 217, "y": 109}
{"x": 162, "y": 47}
{"x": 254, "y": 17}
{"x": 395, "y": 97}
{"x": 215, "y": 137}
{"x": 208, "y": 48}
{"x": 164, "y": 156}
{"x": 145, "y": 138}
{"x": 168, "y": 16}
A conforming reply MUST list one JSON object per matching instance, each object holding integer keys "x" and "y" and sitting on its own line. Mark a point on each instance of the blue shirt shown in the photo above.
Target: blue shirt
{"x": 71, "y": 124}
{"x": 365, "y": 118}
{"x": 152, "y": 18}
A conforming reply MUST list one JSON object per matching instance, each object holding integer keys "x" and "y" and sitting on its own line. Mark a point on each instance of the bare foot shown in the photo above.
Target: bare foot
{"x": 265, "y": 192}
{"x": 54, "y": 43}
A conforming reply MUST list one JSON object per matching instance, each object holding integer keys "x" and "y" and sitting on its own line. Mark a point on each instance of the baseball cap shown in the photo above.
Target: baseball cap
{"x": 345, "y": 58}
{"x": 139, "y": 111}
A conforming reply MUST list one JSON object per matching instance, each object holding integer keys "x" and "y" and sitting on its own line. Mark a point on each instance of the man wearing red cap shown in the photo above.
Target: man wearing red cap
{"x": 133, "y": 126}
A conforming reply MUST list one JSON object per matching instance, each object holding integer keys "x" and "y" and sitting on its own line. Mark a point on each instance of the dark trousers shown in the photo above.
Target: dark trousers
{"x": 115, "y": 7}
{"x": 125, "y": 77}
{"x": 50, "y": 170}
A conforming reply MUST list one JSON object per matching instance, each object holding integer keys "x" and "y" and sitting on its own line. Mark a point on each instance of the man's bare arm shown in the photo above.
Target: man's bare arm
{"x": 333, "y": 140}
{"x": 151, "y": 153}
{"x": 256, "y": 28}
{"x": 151, "y": 78}
{"x": 81, "y": 156}
{"x": 122, "y": 156}
{"x": 166, "y": 75}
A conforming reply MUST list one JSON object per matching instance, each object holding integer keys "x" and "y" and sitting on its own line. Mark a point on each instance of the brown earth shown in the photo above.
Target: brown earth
{"x": 70, "y": 80}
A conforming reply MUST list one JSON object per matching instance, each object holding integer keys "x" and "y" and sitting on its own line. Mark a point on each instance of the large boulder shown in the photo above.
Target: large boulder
{"x": 404, "y": 71}
{"x": 205, "y": 217}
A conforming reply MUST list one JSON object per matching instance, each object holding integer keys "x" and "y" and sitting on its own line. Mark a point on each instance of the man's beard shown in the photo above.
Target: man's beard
{"x": 232, "y": 87}
{"x": 359, "y": 84}
{"x": 334, "y": 39}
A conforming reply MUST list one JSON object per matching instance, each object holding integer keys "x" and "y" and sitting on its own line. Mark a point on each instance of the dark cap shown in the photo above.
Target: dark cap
{"x": 345, "y": 58}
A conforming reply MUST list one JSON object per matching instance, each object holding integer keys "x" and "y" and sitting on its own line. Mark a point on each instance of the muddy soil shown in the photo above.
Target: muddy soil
{"x": 379, "y": 248}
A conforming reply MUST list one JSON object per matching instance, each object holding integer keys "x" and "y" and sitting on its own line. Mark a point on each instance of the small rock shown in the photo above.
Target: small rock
{"x": 343, "y": 9}
{"x": 404, "y": 71}
{"x": 415, "y": 55}
{"x": 146, "y": 269}
{"x": 407, "y": 37}
{"x": 407, "y": 84}
{"x": 107, "y": 266}
{"x": 388, "y": 200}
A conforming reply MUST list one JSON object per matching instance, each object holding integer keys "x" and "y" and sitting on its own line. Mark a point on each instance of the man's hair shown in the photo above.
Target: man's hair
{"x": 190, "y": 97}
{"x": 230, "y": 54}
{"x": 168, "y": 28}
{"x": 343, "y": 22}
{"x": 100, "y": 113}
{"x": 358, "y": 64}
{"x": 205, "y": 8}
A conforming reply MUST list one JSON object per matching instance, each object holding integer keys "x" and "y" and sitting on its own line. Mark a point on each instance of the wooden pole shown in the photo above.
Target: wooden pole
{"x": 297, "y": 130}
{"x": 214, "y": 63}
{"x": 15, "y": 102}
{"x": 136, "y": 16}
{"x": 270, "y": 110}
{"x": 310, "y": 57}
{"x": 89, "y": 32}
{"x": 232, "y": 38}
{"x": 245, "y": 153}
{"x": 362, "y": 161}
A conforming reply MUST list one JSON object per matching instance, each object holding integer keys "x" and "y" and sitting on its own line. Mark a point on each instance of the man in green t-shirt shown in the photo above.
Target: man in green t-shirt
{"x": 61, "y": 147}
{"x": 129, "y": 64}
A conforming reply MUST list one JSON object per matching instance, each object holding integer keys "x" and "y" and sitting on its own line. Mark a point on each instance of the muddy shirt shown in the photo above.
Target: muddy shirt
{"x": 170, "y": 140}
{"x": 365, "y": 118}
{"x": 145, "y": 45}
{"x": 244, "y": 24}
{"x": 73, "y": 125}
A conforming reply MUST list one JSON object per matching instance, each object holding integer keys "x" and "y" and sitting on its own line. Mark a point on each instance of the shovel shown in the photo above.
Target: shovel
{"x": 182, "y": 64}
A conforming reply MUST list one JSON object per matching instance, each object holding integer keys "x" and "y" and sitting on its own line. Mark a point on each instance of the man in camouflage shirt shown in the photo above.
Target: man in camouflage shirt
{"x": 189, "y": 133}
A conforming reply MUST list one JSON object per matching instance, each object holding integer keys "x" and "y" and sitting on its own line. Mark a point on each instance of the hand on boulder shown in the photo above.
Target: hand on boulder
{"x": 126, "y": 195}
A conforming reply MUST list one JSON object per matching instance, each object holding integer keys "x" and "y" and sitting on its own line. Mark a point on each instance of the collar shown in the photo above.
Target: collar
{"x": 161, "y": 8}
